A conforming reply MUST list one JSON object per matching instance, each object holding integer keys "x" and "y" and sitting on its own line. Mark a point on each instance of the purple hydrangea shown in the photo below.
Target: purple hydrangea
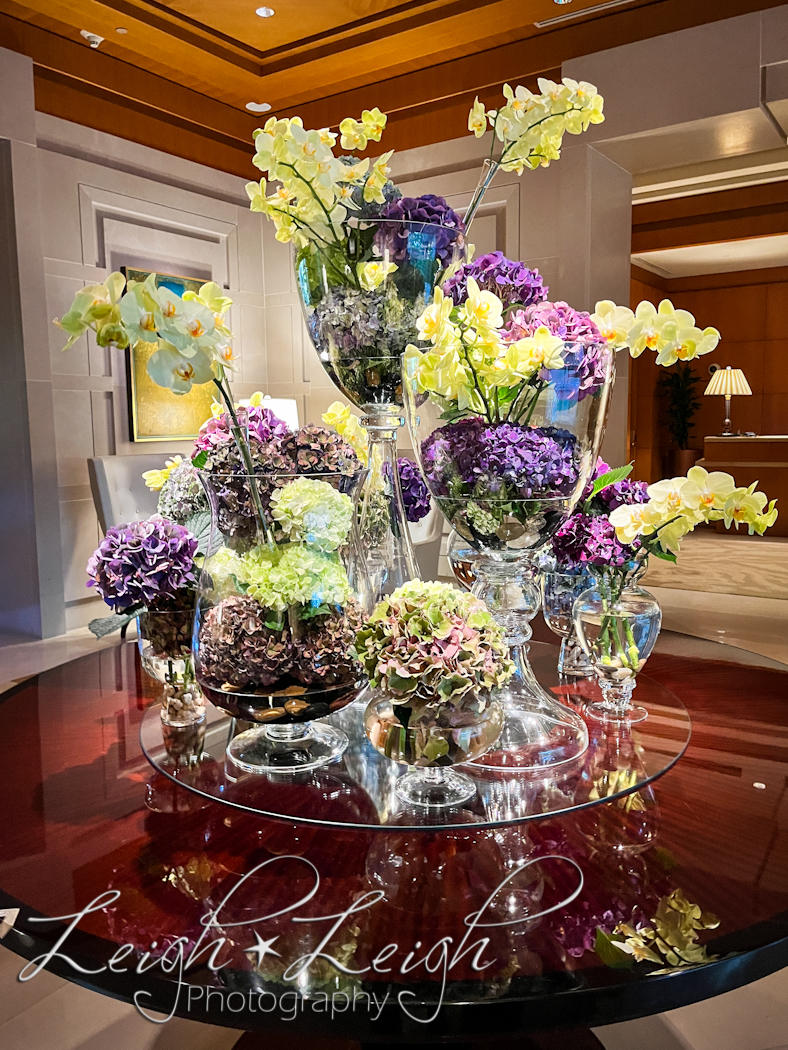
{"x": 143, "y": 563}
{"x": 501, "y": 460}
{"x": 586, "y": 540}
{"x": 586, "y": 355}
{"x": 264, "y": 426}
{"x": 573, "y": 326}
{"x": 415, "y": 493}
{"x": 512, "y": 282}
{"x": 408, "y": 214}
{"x": 624, "y": 493}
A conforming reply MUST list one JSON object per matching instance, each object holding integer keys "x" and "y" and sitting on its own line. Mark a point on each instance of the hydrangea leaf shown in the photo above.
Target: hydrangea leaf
{"x": 104, "y": 625}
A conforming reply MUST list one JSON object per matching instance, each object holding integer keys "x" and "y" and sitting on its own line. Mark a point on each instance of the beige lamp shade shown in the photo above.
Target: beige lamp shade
{"x": 728, "y": 381}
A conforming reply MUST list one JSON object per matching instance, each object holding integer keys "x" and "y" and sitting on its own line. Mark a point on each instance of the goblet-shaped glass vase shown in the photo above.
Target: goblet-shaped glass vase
{"x": 617, "y": 624}
{"x": 276, "y": 616}
{"x": 361, "y": 296}
{"x": 506, "y": 479}
{"x": 432, "y": 735}
{"x": 560, "y": 588}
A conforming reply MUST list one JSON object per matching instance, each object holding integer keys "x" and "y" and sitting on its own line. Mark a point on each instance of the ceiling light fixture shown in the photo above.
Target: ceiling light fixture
{"x": 580, "y": 13}
{"x": 258, "y": 107}
{"x": 265, "y": 12}
{"x": 121, "y": 30}
{"x": 562, "y": 1}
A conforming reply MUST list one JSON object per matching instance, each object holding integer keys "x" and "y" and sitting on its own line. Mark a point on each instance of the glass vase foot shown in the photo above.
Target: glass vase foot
{"x": 287, "y": 748}
{"x": 538, "y": 735}
{"x": 434, "y": 786}
{"x": 621, "y": 715}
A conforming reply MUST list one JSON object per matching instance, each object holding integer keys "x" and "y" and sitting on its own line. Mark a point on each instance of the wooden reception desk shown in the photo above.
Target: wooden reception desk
{"x": 763, "y": 459}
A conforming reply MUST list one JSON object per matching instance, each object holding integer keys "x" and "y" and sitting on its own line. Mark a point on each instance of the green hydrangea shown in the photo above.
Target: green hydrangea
{"x": 430, "y": 640}
{"x": 312, "y": 512}
{"x": 295, "y": 575}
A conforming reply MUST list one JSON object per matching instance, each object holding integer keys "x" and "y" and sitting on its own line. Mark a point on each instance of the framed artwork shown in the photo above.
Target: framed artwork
{"x": 155, "y": 413}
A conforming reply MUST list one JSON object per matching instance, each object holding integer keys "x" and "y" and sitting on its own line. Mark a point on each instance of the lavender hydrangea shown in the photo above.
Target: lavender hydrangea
{"x": 408, "y": 215}
{"x": 513, "y": 282}
{"x": 182, "y": 495}
{"x": 586, "y": 355}
{"x": 623, "y": 493}
{"x": 503, "y": 461}
{"x": 145, "y": 563}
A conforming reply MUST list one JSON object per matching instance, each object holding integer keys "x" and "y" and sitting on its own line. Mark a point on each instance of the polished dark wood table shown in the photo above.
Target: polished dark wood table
{"x": 209, "y": 911}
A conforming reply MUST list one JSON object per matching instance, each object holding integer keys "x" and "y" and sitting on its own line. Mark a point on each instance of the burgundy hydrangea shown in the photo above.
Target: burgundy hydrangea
{"x": 512, "y": 282}
{"x": 146, "y": 563}
{"x": 264, "y": 427}
{"x": 408, "y": 215}
{"x": 502, "y": 460}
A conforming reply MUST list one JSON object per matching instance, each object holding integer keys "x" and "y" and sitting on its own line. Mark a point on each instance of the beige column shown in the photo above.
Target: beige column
{"x": 31, "y": 574}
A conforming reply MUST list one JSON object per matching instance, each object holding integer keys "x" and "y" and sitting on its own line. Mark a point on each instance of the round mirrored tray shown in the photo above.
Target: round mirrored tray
{"x": 358, "y": 790}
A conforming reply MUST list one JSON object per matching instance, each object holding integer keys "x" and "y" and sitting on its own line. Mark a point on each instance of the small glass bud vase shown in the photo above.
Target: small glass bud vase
{"x": 617, "y": 625}
{"x": 164, "y": 639}
{"x": 182, "y": 703}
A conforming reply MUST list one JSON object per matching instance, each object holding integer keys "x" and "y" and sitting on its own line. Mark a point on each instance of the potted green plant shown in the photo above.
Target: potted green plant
{"x": 679, "y": 396}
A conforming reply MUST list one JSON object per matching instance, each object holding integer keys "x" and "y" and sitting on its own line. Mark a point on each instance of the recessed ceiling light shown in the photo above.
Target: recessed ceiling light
{"x": 265, "y": 12}
{"x": 562, "y": 1}
{"x": 258, "y": 107}
{"x": 121, "y": 30}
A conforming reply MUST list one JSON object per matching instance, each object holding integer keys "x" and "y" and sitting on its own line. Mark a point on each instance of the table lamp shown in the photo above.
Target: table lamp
{"x": 728, "y": 381}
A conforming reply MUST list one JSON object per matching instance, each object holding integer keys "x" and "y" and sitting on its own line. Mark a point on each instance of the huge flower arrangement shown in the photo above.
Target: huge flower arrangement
{"x": 366, "y": 256}
{"x": 493, "y": 354}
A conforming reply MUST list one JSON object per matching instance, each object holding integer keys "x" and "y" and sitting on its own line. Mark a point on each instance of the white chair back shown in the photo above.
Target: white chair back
{"x": 119, "y": 493}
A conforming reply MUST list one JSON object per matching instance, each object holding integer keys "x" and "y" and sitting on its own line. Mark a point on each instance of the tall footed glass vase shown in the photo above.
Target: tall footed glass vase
{"x": 361, "y": 297}
{"x": 277, "y": 612}
{"x": 506, "y": 474}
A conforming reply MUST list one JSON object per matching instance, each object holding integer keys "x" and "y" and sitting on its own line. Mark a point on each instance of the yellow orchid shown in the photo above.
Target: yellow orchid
{"x": 374, "y": 123}
{"x": 349, "y": 428}
{"x": 715, "y": 488}
{"x": 613, "y": 322}
{"x": 675, "y": 496}
{"x": 688, "y": 344}
{"x": 482, "y": 310}
{"x": 645, "y": 331}
{"x": 440, "y": 372}
{"x": 377, "y": 179}
{"x": 745, "y": 506}
{"x": 477, "y": 119}
{"x": 372, "y": 274}
{"x": 96, "y": 307}
{"x": 155, "y": 479}
{"x": 353, "y": 134}
{"x": 633, "y": 520}
{"x": 433, "y": 323}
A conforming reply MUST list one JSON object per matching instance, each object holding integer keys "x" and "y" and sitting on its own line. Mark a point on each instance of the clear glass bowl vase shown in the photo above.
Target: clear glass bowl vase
{"x": 275, "y": 621}
{"x": 617, "y": 623}
{"x": 164, "y": 641}
{"x": 361, "y": 297}
{"x": 432, "y": 737}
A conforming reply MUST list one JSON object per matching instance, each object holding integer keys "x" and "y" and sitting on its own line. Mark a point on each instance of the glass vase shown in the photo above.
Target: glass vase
{"x": 506, "y": 485}
{"x": 559, "y": 591}
{"x": 432, "y": 736}
{"x": 617, "y": 624}
{"x": 276, "y": 618}
{"x": 361, "y": 298}
{"x": 164, "y": 641}
{"x": 182, "y": 702}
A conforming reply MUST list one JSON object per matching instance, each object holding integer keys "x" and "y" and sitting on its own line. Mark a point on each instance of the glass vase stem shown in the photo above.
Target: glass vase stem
{"x": 383, "y": 525}
{"x": 489, "y": 171}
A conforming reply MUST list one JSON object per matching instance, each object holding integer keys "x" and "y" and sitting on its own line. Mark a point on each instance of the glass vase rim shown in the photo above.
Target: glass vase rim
{"x": 314, "y": 475}
{"x": 356, "y": 222}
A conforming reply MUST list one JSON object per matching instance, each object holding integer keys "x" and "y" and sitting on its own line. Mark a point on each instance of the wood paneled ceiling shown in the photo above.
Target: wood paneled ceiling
{"x": 177, "y": 74}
